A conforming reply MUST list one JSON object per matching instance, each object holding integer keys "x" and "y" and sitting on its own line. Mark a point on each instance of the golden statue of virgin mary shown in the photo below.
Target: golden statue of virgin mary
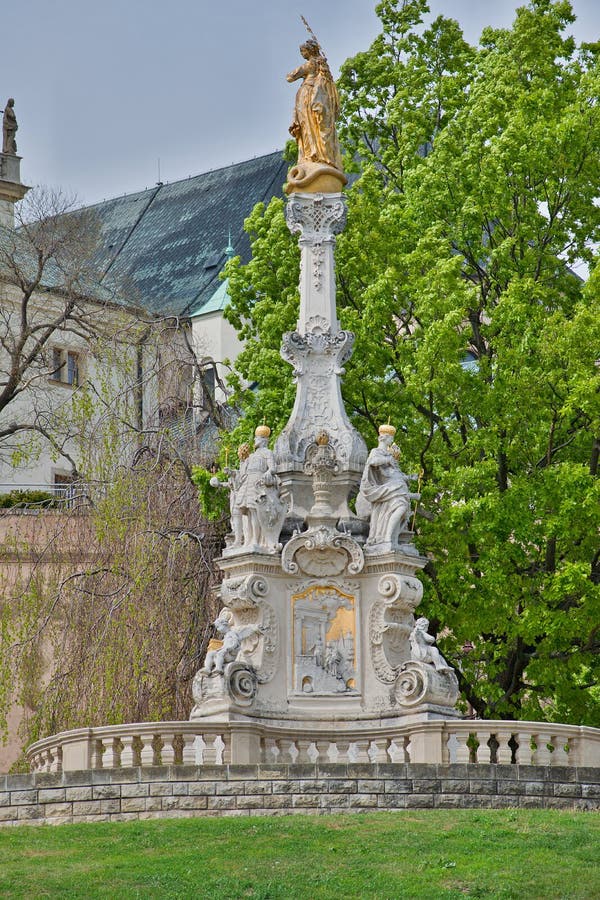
{"x": 317, "y": 108}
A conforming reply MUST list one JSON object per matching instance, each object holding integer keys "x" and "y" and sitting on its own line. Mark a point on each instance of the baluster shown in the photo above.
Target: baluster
{"x": 322, "y": 749}
{"x": 333, "y": 753}
{"x": 542, "y": 756}
{"x": 213, "y": 751}
{"x": 303, "y": 751}
{"x": 343, "y": 751}
{"x": 289, "y": 751}
{"x": 98, "y": 754}
{"x": 111, "y": 756}
{"x": 482, "y": 754}
{"x": 398, "y": 749}
{"x": 362, "y": 751}
{"x": 201, "y": 748}
{"x": 377, "y": 751}
{"x": 167, "y": 752}
{"x": 147, "y": 750}
{"x": 127, "y": 751}
{"x": 561, "y": 755}
{"x": 463, "y": 751}
{"x": 189, "y": 755}
{"x": 270, "y": 750}
{"x": 504, "y": 751}
{"x": 209, "y": 753}
{"x": 523, "y": 752}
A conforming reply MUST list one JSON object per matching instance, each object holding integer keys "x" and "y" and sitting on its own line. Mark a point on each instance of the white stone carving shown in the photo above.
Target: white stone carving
{"x": 318, "y": 258}
{"x": 402, "y": 591}
{"x": 315, "y": 217}
{"x": 318, "y": 348}
{"x": 322, "y": 549}
{"x": 384, "y": 496}
{"x": 423, "y": 649}
{"x": 258, "y": 501}
{"x": 391, "y": 622}
{"x": 233, "y": 636}
{"x": 419, "y": 684}
{"x": 232, "y": 484}
{"x": 324, "y": 640}
{"x": 265, "y": 663}
{"x": 237, "y": 683}
{"x": 243, "y": 592}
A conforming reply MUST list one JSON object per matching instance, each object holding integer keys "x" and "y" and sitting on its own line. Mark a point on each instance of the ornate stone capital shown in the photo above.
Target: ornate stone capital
{"x": 316, "y": 217}
{"x": 318, "y": 341}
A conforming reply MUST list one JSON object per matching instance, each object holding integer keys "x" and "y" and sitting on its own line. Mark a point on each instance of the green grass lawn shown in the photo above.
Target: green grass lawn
{"x": 425, "y": 853}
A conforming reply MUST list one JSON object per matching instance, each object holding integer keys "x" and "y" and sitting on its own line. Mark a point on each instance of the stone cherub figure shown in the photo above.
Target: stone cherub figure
{"x": 258, "y": 496}
{"x": 423, "y": 649}
{"x": 384, "y": 493}
{"x": 234, "y": 477}
{"x": 9, "y": 128}
{"x": 233, "y": 636}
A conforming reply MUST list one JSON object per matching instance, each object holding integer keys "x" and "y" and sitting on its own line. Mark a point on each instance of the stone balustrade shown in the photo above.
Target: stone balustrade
{"x": 441, "y": 741}
{"x": 126, "y": 746}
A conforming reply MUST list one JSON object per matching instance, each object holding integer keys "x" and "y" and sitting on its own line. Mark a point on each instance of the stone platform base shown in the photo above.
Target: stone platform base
{"x": 156, "y": 792}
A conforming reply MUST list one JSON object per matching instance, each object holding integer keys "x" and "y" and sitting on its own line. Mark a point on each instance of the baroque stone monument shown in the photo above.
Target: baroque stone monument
{"x": 318, "y": 626}
{"x": 318, "y": 656}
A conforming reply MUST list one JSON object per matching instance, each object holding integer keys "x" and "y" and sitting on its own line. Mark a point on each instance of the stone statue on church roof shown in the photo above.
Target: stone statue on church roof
{"x": 9, "y": 129}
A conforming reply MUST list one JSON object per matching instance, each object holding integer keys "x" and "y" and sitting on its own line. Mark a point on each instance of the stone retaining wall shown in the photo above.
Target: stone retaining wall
{"x": 118, "y": 795}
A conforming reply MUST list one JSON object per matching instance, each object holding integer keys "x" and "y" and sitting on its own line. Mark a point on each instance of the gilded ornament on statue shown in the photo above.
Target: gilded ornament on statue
{"x": 319, "y": 168}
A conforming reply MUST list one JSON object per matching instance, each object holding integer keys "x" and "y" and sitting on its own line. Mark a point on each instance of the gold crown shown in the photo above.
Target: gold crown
{"x": 387, "y": 429}
{"x": 262, "y": 431}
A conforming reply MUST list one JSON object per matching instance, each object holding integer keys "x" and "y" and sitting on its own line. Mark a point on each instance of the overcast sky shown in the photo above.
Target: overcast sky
{"x": 104, "y": 89}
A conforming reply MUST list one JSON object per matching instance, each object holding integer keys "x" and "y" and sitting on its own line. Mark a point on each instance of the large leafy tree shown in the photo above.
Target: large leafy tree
{"x": 476, "y": 199}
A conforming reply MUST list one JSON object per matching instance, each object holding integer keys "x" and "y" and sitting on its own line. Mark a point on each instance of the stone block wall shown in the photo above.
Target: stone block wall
{"x": 119, "y": 795}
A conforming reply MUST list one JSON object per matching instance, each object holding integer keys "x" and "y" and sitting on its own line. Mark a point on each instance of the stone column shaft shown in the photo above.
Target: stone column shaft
{"x": 318, "y": 350}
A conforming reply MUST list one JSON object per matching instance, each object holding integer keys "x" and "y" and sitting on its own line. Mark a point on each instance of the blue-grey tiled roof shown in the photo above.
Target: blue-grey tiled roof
{"x": 166, "y": 245}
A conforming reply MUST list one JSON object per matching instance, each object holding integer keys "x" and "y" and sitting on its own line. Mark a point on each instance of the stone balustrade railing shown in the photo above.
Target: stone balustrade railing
{"x": 196, "y": 743}
{"x": 136, "y": 744}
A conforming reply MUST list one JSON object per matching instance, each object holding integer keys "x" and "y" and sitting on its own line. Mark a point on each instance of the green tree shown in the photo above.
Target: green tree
{"x": 478, "y": 178}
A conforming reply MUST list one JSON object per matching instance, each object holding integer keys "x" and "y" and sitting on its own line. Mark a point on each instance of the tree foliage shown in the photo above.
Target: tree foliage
{"x": 106, "y": 609}
{"x": 476, "y": 197}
